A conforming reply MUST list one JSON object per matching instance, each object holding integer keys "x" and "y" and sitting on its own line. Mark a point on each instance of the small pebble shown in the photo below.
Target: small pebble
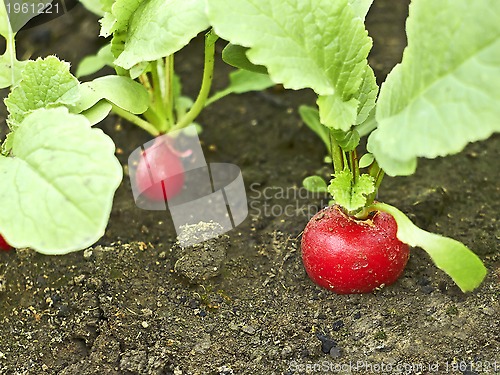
{"x": 286, "y": 352}
{"x": 326, "y": 343}
{"x": 337, "y": 325}
{"x": 79, "y": 279}
{"x": 145, "y": 324}
{"x": 225, "y": 370}
{"x": 87, "y": 254}
{"x": 335, "y": 352}
{"x": 248, "y": 329}
{"x": 63, "y": 311}
{"x": 427, "y": 289}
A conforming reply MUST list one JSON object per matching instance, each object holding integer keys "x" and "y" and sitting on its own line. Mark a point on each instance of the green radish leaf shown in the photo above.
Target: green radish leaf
{"x": 98, "y": 112}
{"x": 346, "y": 140}
{"x": 140, "y": 68}
{"x": 94, "y": 63}
{"x": 182, "y": 105}
{"x": 58, "y": 187}
{"x": 310, "y": 116}
{"x": 116, "y": 22}
{"x": 119, "y": 90}
{"x": 367, "y": 96}
{"x": 10, "y": 67}
{"x": 7, "y": 144}
{"x": 315, "y": 184}
{"x": 98, "y": 7}
{"x": 369, "y": 125}
{"x": 108, "y": 22}
{"x": 5, "y": 29}
{"x": 46, "y": 83}
{"x": 445, "y": 92}
{"x": 449, "y": 255}
{"x": 349, "y": 194}
{"x": 366, "y": 160}
{"x": 327, "y": 51}
{"x": 241, "y": 81}
{"x": 173, "y": 24}
{"x": 236, "y": 56}
{"x": 117, "y": 16}
{"x": 337, "y": 113}
{"x": 361, "y": 7}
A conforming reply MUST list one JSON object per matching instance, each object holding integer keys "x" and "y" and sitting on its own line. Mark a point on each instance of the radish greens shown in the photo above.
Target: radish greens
{"x": 443, "y": 95}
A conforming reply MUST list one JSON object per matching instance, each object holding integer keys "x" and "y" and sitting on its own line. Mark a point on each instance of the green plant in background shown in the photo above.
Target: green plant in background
{"x": 146, "y": 35}
{"x": 58, "y": 174}
{"x": 443, "y": 95}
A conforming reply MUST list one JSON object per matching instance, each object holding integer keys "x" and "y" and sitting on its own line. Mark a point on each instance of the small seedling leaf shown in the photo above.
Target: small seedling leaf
{"x": 310, "y": 116}
{"x": 98, "y": 112}
{"x": 58, "y": 187}
{"x": 315, "y": 184}
{"x": 236, "y": 56}
{"x": 241, "y": 81}
{"x": 366, "y": 160}
{"x": 346, "y": 140}
{"x": 94, "y": 63}
{"x": 349, "y": 194}
{"x": 451, "y": 256}
{"x": 445, "y": 92}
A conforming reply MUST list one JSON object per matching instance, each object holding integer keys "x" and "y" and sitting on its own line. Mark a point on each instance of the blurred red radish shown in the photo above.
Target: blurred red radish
{"x": 160, "y": 173}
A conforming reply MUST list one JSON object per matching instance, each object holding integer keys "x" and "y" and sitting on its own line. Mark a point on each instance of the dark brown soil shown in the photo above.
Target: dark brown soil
{"x": 120, "y": 308}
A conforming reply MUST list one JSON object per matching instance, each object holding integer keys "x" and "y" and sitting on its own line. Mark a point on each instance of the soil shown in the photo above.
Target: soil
{"x": 122, "y": 307}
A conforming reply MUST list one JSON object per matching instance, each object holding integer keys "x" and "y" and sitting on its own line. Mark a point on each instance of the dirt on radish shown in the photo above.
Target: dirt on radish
{"x": 121, "y": 307}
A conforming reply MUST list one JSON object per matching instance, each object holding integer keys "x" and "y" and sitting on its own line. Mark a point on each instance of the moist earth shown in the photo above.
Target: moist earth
{"x": 246, "y": 306}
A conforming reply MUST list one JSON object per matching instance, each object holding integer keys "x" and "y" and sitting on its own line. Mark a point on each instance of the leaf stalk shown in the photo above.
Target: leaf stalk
{"x": 206, "y": 83}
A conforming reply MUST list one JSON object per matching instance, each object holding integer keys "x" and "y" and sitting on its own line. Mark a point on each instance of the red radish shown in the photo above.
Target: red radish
{"x": 160, "y": 173}
{"x": 347, "y": 255}
{"x": 4, "y": 245}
